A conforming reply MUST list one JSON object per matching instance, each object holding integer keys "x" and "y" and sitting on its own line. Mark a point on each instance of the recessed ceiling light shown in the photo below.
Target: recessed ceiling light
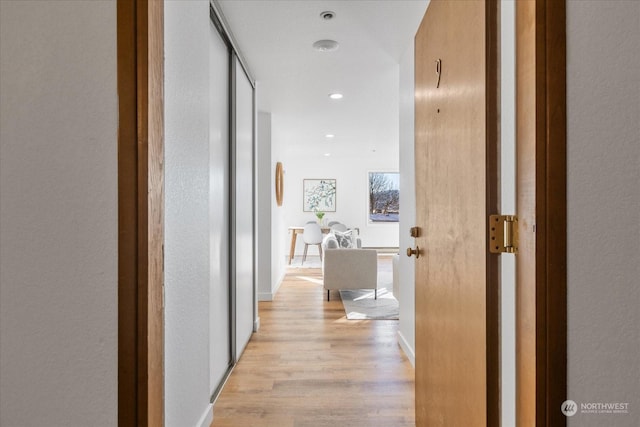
{"x": 327, "y": 15}
{"x": 335, "y": 95}
{"x": 329, "y": 135}
{"x": 325, "y": 45}
{"x": 327, "y": 154}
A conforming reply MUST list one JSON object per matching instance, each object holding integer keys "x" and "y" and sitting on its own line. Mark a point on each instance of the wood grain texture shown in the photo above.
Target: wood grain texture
{"x": 127, "y": 216}
{"x": 556, "y": 209}
{"x": 310, "y": 366}
{"x": 526, "y": 162}
{"x": 457, "y": 369}
{"x": 541, "y": 205}
{"x": 141, "y": 213}
{"x": 150, "y": 48}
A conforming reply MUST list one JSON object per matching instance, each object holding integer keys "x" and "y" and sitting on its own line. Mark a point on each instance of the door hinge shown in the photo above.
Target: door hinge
{"x": 503, "y": 234}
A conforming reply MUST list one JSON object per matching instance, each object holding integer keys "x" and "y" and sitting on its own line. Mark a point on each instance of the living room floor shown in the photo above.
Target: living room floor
{"x": 308, "y": 366}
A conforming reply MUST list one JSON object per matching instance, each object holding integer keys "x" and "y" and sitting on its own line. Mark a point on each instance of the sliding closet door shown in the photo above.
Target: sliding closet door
{"x": 243, "y": 211}
{"x": 219, "y": 209}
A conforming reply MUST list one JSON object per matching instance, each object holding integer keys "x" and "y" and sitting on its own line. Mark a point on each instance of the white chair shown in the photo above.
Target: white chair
{"x": 339, "y": 227}
{"x": 312, "y": 235}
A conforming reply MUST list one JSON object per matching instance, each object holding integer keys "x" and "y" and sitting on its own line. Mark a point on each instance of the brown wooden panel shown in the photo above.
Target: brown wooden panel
{"x": 541, "y": 207}
{"x": 127, "y": 216}
{"x": 526, "y": 173}
{"x": 457, "y": 370}
{"x": 141, "y": 210}
{"x": 150, "y": 59}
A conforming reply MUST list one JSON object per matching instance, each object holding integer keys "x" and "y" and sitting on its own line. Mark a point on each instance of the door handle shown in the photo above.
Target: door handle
{"x": 415, "y": 252}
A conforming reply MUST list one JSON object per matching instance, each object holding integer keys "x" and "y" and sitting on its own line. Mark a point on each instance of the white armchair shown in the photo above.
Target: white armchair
{"x": 350, "y": 269}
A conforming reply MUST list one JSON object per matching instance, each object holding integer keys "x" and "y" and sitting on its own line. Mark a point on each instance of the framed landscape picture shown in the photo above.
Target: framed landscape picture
{"x": 384, "y": 197}
{"x": 319, "y": 195}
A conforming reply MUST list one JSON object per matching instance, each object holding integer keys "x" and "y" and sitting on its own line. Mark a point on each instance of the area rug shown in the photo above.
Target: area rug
{"x": 311, "y": 262}
{"x": 360, "y": 305}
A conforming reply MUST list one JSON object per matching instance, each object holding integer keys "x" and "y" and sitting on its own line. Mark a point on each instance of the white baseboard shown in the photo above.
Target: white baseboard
{"x": 256, "y": 324}
{"x": 404, "y": 345}
{"x": 268, "y": 296}
{"x": 206, "y": 418}
{"x": 279, "y": 282}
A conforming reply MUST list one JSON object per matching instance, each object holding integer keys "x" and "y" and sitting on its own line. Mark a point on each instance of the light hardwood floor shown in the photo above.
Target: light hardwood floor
{"x": 309, "y": 366}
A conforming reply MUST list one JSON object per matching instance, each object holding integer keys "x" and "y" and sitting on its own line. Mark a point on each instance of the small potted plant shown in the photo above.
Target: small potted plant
{"x": 319, "y": 215}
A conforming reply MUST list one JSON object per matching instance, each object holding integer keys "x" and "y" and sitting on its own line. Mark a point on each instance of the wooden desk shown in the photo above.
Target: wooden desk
{"x": 294, "y": 236}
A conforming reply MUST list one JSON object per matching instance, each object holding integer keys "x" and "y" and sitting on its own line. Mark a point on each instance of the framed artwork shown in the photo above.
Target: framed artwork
{"x": 384, "y": 197}
{"x": 319, "y": 195}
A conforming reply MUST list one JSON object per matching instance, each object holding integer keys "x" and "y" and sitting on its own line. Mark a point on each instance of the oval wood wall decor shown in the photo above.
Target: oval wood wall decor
{"x": 279, "y": 183}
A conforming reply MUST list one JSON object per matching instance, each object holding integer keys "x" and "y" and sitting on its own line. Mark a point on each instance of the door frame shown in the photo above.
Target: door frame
{"x": 140, "y": 47}
{"x": 541, "y": 293}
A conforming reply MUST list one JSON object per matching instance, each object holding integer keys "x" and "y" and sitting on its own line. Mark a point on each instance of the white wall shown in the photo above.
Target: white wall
{"x": 272, "y": 231}
{"x": 279, "y": 236}
{"x": 603, "y": 136}
{"x": 351, "y": 176}
{"x": 186, "y": 212}
{"x": 508, "y": 206}
{"x": 265, "y": 197}
{"x": 406, "y": 330}
{"x": 58, "y": 214}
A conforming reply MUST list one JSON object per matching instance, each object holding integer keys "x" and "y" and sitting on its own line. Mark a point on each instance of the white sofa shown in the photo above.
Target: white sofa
{"x": 349, "y": 268}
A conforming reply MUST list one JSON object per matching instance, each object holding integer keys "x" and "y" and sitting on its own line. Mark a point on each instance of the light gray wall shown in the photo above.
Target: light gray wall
{"x": 406, "y": 331}
{"x": 264, "y": 197}
{"x": 58, "y": 214}
{"x": 272, "y": 231}
{"x": 279, "y": 234}
{"x": 603, "y": 138}
{"x": 187, "y": 388}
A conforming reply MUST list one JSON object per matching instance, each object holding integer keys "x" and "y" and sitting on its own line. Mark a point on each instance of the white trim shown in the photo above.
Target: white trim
{"x": 269, "y": 296}
{"x": 206, "y": 418}
{"x": 404, "y": 345}
{"x": 217, "y": 9}
{"x": 278, "y": 284}
{"x": 256, "y": 324}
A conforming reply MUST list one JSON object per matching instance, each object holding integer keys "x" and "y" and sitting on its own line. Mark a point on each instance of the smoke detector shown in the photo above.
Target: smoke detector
{"x": 325, "y": 45}
{"x": 327, "y": 15}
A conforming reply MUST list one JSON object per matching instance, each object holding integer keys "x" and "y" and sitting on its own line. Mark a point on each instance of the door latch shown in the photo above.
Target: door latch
{"x": 503, "y": 234}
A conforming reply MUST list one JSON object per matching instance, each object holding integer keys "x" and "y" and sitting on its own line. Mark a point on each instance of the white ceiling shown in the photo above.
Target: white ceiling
{"x": 294, "y": 80}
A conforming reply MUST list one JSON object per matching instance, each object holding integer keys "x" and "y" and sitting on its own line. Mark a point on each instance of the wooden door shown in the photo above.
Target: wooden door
{"x": 457, "y": 344}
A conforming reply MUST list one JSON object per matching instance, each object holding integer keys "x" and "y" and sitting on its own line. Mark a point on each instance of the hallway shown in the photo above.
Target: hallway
{"x": 310, "y": 367}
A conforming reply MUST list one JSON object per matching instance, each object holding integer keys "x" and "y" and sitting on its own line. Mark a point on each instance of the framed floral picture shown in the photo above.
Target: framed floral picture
{"x": 319, "y": 195}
